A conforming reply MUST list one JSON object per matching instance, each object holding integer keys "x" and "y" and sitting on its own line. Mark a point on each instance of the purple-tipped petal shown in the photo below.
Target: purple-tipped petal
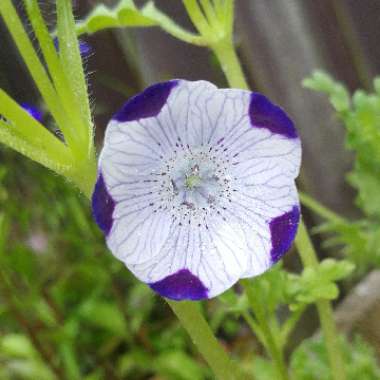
{"x": 182, "y": 285}
{"x": 33, "y": 111}
{"x": 283, "y": 231}
{"x": 264, "y": 114}
{"x": 147, "y": 104}
{"x": 102, "y": 206}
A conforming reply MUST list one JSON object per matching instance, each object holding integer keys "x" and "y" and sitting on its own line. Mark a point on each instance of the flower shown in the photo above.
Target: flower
{"x": 195, "y": 187}
{"x": 33, "y": 111}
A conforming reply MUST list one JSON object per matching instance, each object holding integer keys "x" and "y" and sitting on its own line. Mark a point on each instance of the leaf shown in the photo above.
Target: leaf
{"x": 126, "y": 15}
{"x": 310, "y": 360}
{"x": 317, "y": 283}
{"x": 69, "y": 53}
{"x": 323, "y": 82}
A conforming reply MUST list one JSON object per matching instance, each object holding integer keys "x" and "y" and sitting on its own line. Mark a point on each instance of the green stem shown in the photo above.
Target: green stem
{"x": 309, "y": 259}
{"x": 271, "y": 343}
{"x": 234, "y": 74}
{"x": 319, "y": 209}
{"x": 226, "y": 54}
{"x": 195, "y": 324}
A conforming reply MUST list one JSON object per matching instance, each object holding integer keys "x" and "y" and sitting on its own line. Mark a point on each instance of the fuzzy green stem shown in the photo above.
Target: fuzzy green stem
{"x": 309, "y": 259}
{"x": 234, "y": 74}
{"x": 271, "y": 343}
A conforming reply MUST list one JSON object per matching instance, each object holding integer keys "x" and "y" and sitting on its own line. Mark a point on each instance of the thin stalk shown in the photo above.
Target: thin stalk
{"x": 309, "y": 259}
{"x": 271, "y": 345}
{"x": 234, "y": 74}
{"x": 320, "y": 209}
{"x": 202, "y": 336}
{"x": 229, "y": 61}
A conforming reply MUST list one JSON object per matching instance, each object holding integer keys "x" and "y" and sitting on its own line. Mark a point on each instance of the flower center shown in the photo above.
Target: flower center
{"x": 195, "y": 182}
{"x": 192, "y": 181}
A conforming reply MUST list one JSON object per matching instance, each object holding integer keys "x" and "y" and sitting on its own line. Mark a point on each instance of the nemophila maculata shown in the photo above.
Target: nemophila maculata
{"x": 196, "y": 187}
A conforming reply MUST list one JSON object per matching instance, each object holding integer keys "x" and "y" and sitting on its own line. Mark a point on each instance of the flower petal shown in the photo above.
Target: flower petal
{"x": 181, "y": 285}
{"x": 264, "y": 114}
{"x": 193, "y": 239}
{"x": 102, "y": 205}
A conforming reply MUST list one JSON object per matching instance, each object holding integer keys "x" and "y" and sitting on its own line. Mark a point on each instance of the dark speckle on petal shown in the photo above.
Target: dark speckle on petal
{"x": 147, "y": 104}
{"x": 102, "y": 206}
{"x": 182, "y": 285}
{"x": 264, "y": 114}
{"x": 283, "y": 231}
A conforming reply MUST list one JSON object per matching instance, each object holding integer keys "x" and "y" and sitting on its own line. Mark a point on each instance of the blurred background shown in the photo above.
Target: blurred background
{"x": 64, "y": 300}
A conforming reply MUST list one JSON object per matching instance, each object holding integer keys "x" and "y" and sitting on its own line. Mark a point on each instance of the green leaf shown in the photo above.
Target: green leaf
{"x": 317, "y": 283}
{"x": 125, "y": 15}
{"x": 323, "y": 82}
{"x": 23, "y": 133}
{"x": 69, "y": 53}
{"x": 310, "y": 360}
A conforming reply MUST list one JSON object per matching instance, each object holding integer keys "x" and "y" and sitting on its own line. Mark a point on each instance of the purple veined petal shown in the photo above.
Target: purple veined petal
{"x": 202, "y": 195}
{"x": 264, "y": 114}
{"x": 103, "y": 206}
{"x": 33, "y": 111}
{"x": 283, "y": 231}
{"x": 147, "y": 104}
{"x": 181, "y": 285}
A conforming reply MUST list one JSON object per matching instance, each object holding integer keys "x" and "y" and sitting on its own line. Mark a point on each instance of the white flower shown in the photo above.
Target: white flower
{"x": 196, "y": 187}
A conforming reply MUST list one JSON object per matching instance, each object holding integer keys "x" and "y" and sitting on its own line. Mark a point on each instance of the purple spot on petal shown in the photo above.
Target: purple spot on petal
{"x": 146, "y": 104}
{"x": 264, "y": 114}
{"x": 102, "y": 206}
{"x": 283, "y": 230}
{"x": 182, "y": 285}
{"x": 33, "y": 111}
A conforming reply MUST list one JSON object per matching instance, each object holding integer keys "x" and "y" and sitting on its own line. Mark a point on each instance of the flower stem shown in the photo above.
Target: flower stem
{"x": 271, "y": 344}
{"x": 319, "y": 209}
{"x": 309, "y": 259}
{"x": 229, "y": 61}
{"x": 193, "y": 321}
{"x": 232, "y": 69}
